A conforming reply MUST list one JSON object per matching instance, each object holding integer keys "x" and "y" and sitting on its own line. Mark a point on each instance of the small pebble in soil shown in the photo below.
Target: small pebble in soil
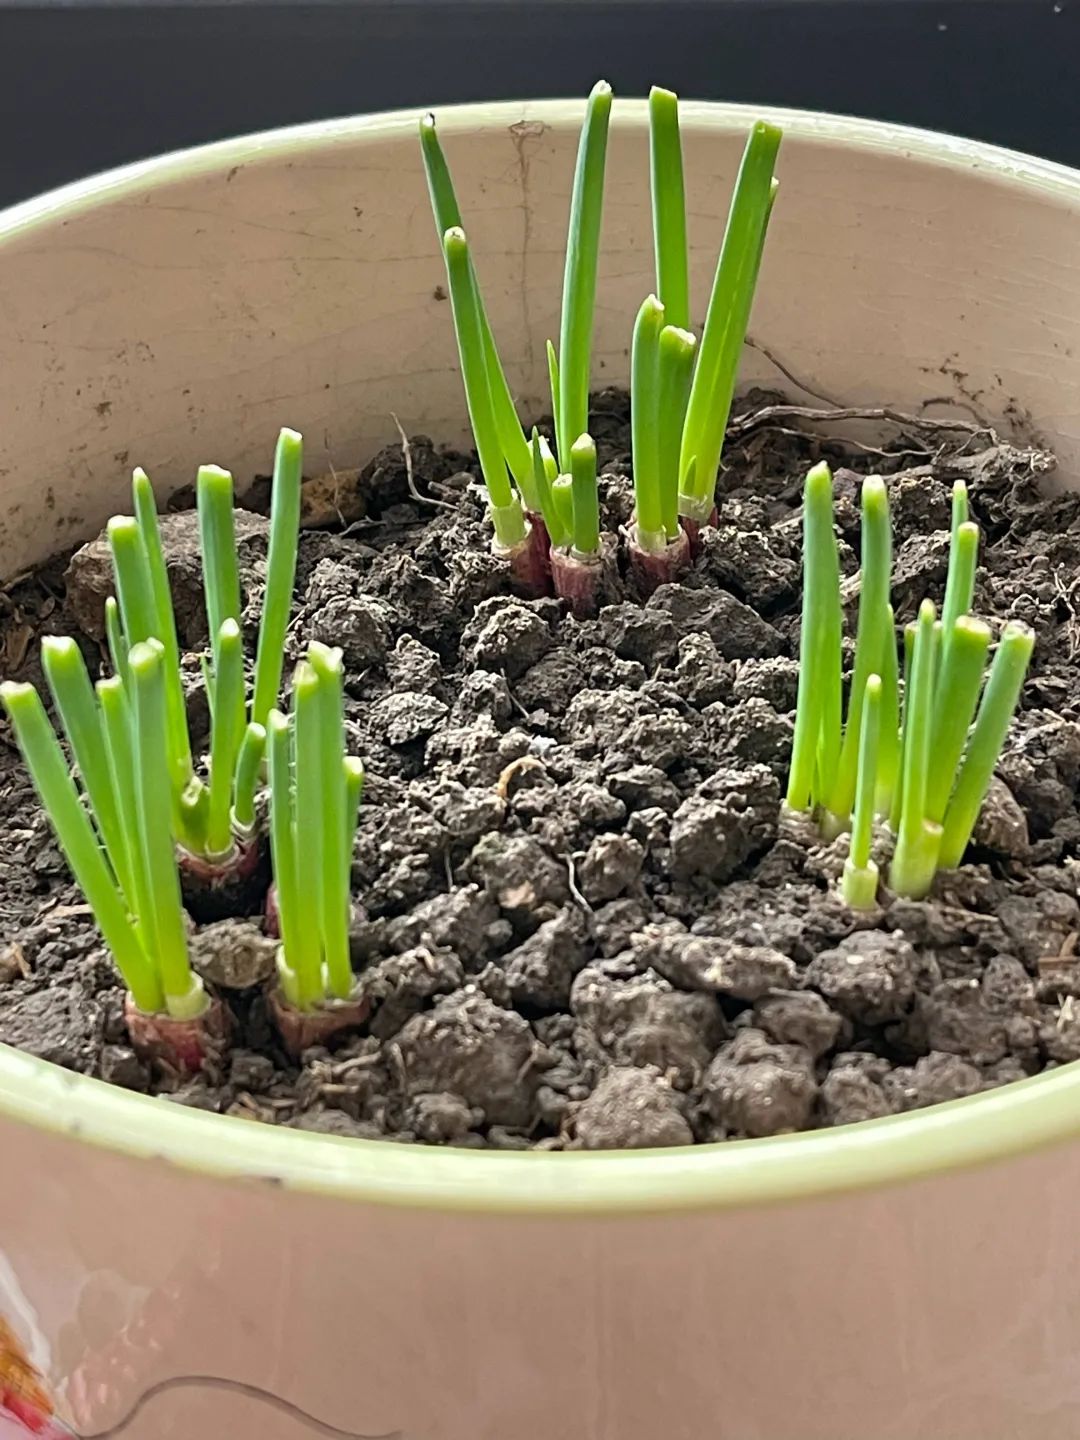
{"x": 702, "y": 676}
{"x": 541, "y": 970}
{"x": 400, "y": 985}
{"x": 407, "y": 716}
{"x": 1002, "y": 825}
{"x": 774, "y": 680}
{"x": 524, "y": 880}
{"x": 611, "y": 866}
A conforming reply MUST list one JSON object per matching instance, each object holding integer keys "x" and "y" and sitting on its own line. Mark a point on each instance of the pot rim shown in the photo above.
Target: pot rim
{"x": 995, "y": 1126}
{"x": 949, "y": 152}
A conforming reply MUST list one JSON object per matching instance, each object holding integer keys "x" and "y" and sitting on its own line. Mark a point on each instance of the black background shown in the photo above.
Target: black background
{"x": 88, "y": 85}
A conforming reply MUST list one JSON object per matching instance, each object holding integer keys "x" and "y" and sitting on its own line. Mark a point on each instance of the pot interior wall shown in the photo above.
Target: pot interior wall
{"x": 182, "y": 311}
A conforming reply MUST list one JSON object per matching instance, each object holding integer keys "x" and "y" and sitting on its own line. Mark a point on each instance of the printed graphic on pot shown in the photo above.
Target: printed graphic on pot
{"x": 27, "y": 1407}
{"x": 25, "y": 1404}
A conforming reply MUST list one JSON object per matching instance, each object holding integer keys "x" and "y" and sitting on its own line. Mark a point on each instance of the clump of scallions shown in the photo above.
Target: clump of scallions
{"x": 546, "y": 523}
{"x": 548, "y": 526}
{"x": 681, "y": 391}
{"x": 314, "y": 795}
{"x": 117, "y": 833}
{"x": 140, "y": 816}
{"x": 212, "y": 814}
{"x": 923, "y": 768}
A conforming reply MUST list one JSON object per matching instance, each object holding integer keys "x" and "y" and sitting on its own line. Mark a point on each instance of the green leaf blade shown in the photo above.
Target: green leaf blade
{"x": 586, "y": 502}
{"x": 669, "y": 207}
{"x": 184, "y": 996}
{"x": 727, "y": 318}
{"x": 644, "y": 423}
{"x": 875, "y": 581}
{"x": 580, "y": 275}
{"x": 678, "y": 349}
{"x": 999, "y": 702}
{"x": 74, "y": 831}
{"x": 217, "y": 537}
{"x": 164, "y": 629}
{"x": 816, "y": 745}
{"x": 505, "y": 507}
{"x": 280, "y": 572}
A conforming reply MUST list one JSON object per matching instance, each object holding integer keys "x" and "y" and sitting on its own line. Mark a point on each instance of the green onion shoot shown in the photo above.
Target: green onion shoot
{"x": 859, "y": 882}
{"x": 512, "y": 532}
{"x": 725, "y": 325}
{"x": 314, "y": 794}
{"x": 579, "y": 279}
{"x": 649, "y": 531}
{"x": 661, "y": 365}
{"x": 669, "y": 207}
{"x": 872, "y": 636}
{"x": 444, "y": 205}
{"x": 578, "y": 570}
{"x": 918, "y": 839}
{"x": 816, "y": 747}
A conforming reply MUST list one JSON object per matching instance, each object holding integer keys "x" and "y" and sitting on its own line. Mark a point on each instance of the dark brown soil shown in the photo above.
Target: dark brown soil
{"x": 586, "y": 925}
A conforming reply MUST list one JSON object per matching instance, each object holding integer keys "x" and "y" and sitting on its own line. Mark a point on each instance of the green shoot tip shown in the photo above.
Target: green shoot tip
{"x": 213, "y": 476}
{"x": 1019, "y": 637}
{"x": 325, "y": 660}
{"x": 819, "y": 481}
{"x": 145, "y": 656}
{"x": 454, "y": 242}
{"x": 765, "y": 130}
{"x": 56, "y": 647}
{"x": 874, "y": 492}
{"x": 583, "y": 449}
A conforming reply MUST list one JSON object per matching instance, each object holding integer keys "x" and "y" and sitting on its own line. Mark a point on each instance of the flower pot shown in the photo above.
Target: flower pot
{"x": 166, "y": 1272}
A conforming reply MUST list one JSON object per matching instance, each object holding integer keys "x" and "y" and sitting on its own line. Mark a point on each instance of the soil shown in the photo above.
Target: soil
{"x": 585, "y": 923}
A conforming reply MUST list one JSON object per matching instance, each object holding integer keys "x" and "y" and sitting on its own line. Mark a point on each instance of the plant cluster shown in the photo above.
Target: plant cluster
{"x": 148, "y": 825}
{"x": 147, "y": 828}
{"x": 543, "y": 497}
{"x": 919, "y": 760}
